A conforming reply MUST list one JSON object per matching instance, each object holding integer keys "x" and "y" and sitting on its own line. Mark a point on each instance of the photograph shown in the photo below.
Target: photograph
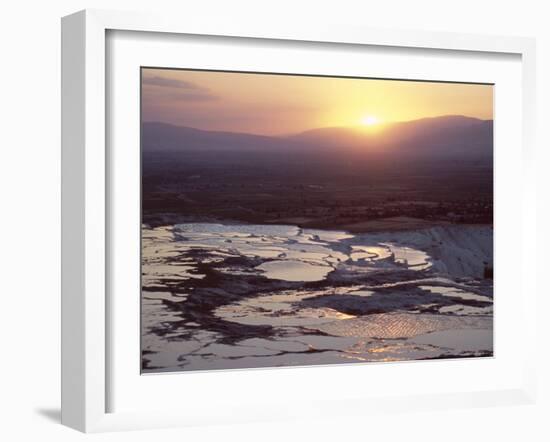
{"x": 292, "y": 220}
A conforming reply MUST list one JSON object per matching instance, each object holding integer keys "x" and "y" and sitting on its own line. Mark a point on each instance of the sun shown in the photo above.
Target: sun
{"x": 370, "y": 120}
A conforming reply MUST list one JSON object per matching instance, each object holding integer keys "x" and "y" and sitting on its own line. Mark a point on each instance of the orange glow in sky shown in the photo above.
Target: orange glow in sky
{"x": 285, "y": 104}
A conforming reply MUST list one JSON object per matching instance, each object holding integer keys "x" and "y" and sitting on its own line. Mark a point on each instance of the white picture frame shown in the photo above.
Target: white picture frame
{"x": 86, "y": 315}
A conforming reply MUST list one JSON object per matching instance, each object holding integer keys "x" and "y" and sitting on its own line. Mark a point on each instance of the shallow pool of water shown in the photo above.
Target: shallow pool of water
{"x": 291, "y": 270}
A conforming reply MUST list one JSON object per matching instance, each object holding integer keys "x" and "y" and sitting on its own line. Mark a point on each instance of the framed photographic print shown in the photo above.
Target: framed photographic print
{"x": 291, "y": 222}
{"x": 304, "y": 220}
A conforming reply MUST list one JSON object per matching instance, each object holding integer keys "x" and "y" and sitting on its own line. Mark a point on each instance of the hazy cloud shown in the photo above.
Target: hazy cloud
{"x": 170, "y": 82}
{"x": 171, "y": 89}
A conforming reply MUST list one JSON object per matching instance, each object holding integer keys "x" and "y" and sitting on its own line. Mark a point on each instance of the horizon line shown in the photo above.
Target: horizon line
{"x": 357, "y": 126}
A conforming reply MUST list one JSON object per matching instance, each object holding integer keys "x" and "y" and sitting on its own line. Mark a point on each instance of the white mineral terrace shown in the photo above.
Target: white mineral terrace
{"x": 232, "y": 295}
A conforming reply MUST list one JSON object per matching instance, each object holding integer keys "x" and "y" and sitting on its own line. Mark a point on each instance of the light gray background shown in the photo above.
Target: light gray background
{"x": 30, "y": 221}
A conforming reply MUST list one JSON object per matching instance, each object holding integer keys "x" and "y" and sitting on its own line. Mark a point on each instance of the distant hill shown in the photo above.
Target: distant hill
{"x": 163, "y": 137}
{"x": 447, "y": 135}
{"x": 452, "y": 135}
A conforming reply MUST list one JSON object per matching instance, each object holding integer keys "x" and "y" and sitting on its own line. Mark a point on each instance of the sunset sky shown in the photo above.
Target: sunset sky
{"x": 286, "y": 104}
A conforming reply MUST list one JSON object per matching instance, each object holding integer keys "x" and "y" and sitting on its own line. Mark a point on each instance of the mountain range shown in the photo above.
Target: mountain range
{"x": 451, "y": 135}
